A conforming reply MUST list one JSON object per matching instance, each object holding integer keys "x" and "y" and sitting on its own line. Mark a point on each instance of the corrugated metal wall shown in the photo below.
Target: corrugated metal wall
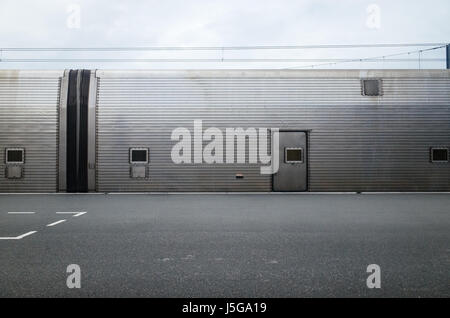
{"x": 29, "y": 102}
{"x": 357, "y": 143}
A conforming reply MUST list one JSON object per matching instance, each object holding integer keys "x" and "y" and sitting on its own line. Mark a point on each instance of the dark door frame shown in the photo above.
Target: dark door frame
{"x": 307, "y": 133}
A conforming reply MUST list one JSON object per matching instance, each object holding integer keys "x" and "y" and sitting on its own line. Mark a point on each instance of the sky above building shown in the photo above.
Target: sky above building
{"x": 138, "y": 23}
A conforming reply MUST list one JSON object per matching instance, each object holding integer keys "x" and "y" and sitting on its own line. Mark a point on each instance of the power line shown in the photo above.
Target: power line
{"x": 139, "y": 60}
{"x": 382, "y": 58}
{"x": 218, "y": 48}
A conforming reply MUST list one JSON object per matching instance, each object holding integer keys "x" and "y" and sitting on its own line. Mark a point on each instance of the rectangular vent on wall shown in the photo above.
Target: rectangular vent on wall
{"x": 371, "y": 87}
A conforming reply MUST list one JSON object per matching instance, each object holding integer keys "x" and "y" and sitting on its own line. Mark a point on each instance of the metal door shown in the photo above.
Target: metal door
{"x": 292, "y": 173}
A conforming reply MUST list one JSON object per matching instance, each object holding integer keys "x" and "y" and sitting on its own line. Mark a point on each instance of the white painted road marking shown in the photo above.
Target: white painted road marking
{"x": 18, "y": 237}
{"x": 57, "y": 222}
{"x": 21, "y": 212}
{"x": 75, "y": 213}
{"x": 26, "y": 234}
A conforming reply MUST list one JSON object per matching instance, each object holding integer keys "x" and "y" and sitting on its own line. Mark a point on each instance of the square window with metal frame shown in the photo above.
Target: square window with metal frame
{"x": 439, "y": 154}
{"x": 15, "y": 156}
{"x": 293, "y": 155}
{"x": 138, "y": 155}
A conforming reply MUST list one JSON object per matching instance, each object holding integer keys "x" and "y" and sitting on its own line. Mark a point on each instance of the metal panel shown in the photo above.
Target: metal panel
{"x": 62, "y": 146}
{"x": 291, "y": 176}
{"x": 92, "y": 148}
{"x": 14, "y": 171}
{"x": 357, "y": 143}
{"x": 29, "y": 102}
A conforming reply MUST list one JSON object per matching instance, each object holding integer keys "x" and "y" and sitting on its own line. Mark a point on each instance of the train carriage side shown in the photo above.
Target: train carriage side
{"x": 340, "y": 130}
{"x": 327, "y": 130}
{"x": 29, "y": 110}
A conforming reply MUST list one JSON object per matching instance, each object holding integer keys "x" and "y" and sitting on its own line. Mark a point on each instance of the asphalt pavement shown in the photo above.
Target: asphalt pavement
{"x": 225, "y": 245}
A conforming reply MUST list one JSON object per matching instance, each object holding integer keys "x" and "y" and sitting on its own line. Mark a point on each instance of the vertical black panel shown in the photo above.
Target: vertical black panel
{"x": 77, "y": 131}
{"x": 83, "y": 132}
{"x": 71, "y": 169}
{"x": 447, "y": 50}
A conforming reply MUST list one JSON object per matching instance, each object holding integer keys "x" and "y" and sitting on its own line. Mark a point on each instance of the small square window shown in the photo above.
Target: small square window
{"x": 138, "y": 155}
{"x": 371, "y": 87}
{"x": 15, "y": 155}
{"x": 293, "y": 155}
{"x": 439, "y": 154}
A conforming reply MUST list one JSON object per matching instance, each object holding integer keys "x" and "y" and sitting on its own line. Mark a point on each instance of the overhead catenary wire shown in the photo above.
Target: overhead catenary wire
{"x": 222, "y": 59}
{"x": 218, "y": 48}
{"x": 379, "y": 58}
{"x": 212, "y": 60}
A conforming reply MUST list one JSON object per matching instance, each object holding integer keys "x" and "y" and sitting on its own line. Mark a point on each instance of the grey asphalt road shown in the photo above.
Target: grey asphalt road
{"x": 226, "y": 245}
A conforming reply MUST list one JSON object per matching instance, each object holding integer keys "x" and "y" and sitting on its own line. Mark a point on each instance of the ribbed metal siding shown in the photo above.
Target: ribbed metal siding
{"x": 357, "y": 143}
{"x": 28, "y": 119}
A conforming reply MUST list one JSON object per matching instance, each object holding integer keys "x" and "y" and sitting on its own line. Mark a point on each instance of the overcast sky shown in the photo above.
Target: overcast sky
{"x": 105, "y": 23}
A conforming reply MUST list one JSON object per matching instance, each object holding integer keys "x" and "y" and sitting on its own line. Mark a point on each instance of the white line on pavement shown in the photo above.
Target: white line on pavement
{"x": 57, "y": 222}
{"x": 75, "y": 213}
{"x": 18, "y": 237}
{"x": 26, "y": 234}
{"x": 21, "y": 212}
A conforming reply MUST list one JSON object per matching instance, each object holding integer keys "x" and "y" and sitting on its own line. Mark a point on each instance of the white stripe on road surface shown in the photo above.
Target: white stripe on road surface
{"x": 21, "y": 212}
{"x": 57, "y": 222}
{"x": 26, "y": 234}
{"x": 18, "y": 237}
{"x": 75, "y": 213}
